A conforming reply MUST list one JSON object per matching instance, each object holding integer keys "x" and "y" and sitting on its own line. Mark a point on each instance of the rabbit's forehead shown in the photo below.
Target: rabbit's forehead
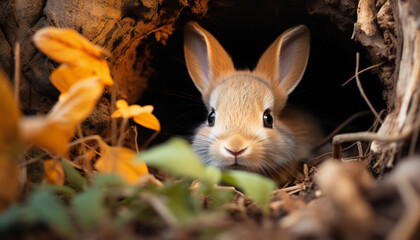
{"x": 242, "y": 99}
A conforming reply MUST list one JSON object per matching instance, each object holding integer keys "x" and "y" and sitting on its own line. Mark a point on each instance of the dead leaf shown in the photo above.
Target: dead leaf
{"x": 55, "y": 130}
{"x": 9, "y": 144}
{"x": 121, "y": 161}
{"x": 81, "y": 59}
{"x": 54, "y": 172}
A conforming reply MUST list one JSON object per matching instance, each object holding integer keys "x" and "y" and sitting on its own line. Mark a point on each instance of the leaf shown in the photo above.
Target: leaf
{"x": 176, "y": 157}
{"x": 73, "y": 177}
{"x": 257, "y": 187}
{"x": 213, "y": 175}
{"x": 179, "y": 200}
{"x": 220, "y": 196}
{"x": 102, "y": 180}
{"x": 55, "y": 130}
{"x": 10, "y": 146}
{"x": 50, "y": 210}
{"x": 59, "y": 189}
{"x": 54, "y": 173}
{"x": 82, "y": 58}
{"x": 89, "y": 208}
{"x": 11, "y": 216}
{"x": 121, "y": 161}
{"x": 147, "y": 120}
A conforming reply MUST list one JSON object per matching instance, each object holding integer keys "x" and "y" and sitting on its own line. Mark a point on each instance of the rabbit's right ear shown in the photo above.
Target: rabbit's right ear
{"x": 206, "y": 59}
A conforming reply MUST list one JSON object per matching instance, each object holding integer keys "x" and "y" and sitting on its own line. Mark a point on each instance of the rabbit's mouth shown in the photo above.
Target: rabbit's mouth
{"x": 237, "y": 166}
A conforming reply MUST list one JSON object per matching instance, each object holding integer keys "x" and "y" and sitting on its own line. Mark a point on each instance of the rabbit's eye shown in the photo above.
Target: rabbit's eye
{"x": 268, "y": 119}
{"x": 211, "y": 118}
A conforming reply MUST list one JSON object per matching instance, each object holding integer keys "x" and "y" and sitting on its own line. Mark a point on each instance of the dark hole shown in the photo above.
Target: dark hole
{"x": 332, "y": 61}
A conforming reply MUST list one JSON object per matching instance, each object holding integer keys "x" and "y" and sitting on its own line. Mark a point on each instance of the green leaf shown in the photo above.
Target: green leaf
{"x": 10, "y": 217}
{"x": 73, "y": 177}
{"x": 257, "y": 187}
{"x": 175, "y": 157}
{"x": 65, "y": 190}
{"x": 88, "y": 207}
{"x": 220, "y": 196}
{"x": 50, "y": 210}
{"x": 103, "y": 180}
{"x": 178, "y": 199}
{"x": 212, "y": 175}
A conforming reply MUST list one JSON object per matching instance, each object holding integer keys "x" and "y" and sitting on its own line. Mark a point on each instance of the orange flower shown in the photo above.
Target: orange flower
{"x": 141, "y": 115}
{"x": 54, "y": 172}
{"x": 121, "y": 161}
{"x": 80, "y": 58}
{"x": 55, "y": 130}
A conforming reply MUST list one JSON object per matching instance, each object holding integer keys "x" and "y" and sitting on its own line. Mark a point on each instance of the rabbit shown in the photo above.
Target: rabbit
{"x": 248, "y": 127}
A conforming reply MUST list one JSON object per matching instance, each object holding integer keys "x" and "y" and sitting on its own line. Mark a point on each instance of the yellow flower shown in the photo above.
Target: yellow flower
{"x": 141, "y": 115}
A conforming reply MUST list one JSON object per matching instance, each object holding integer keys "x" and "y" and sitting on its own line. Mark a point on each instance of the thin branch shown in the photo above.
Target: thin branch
{"x": 368, "y": 136}
{"x": 146, "y": 144}
{"x": 122, "y": 134}
{"x": 362, "y": 92}
{"x": 362, "y": 71}
{"x": 339, "y": 128}
{"x": 160, "y": 207}
{"x": 17, "y": 72}
{"x": 87, "y": 138}
{"x": 113, "y": 120}
{"x": 136, "y": 134}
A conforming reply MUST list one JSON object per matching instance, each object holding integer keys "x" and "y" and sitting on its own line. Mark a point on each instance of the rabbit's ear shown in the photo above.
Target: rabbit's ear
{"x": 285, "y": 60}
{"x": 206, "y": 59}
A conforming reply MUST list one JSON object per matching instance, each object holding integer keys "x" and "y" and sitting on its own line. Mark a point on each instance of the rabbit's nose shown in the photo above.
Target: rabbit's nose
{"x": 235, "y": 152}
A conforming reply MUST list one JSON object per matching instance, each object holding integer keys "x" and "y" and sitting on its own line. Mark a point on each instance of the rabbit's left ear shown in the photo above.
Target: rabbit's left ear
{"x": 284, "y": 62}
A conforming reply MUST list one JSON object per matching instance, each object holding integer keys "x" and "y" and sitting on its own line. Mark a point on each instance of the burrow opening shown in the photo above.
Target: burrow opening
{"x": 245, "y": 30}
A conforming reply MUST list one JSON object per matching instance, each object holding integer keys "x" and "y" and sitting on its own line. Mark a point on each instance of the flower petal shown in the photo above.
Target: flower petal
{"x": 121, "y": 161}
{"x": 148, "y": 120}
{"x": 55, "y": 130}
{"x": 54, "y": 172}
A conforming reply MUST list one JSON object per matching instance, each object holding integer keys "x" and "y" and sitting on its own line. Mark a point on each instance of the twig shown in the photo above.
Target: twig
{"x": 362, "y": 71}
{"x": 122, "y": 135}
{"x": 160, "y": 207}
{"x": 306, "y": 172}
{"x": 113, "y": 120}
{"x": 146, "y": 144}
{"x": 136, "y": 134}
{"x": 360, "y": 150}
{"x": 289, "y": 189}
{"x": 414, "y": 138}
{"x": 368, "y": 136}
{"x": 80, "y": 134}
{"x": 17, "y": 72}
{"x": 295, "y": 191}
{"x": 339, "y": 128}
{"x": 314, "y": 161}
{"x": 84, "y": 139}
{"x": 362, "y": 92}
